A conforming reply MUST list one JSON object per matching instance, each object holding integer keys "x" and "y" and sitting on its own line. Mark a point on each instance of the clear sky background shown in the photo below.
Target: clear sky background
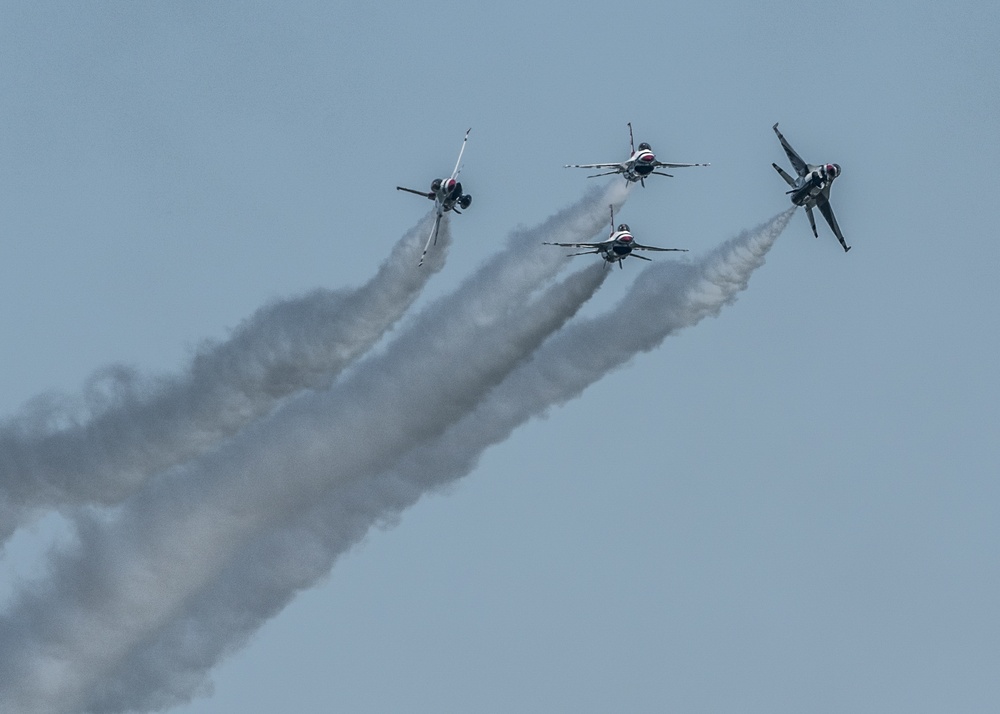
{"x": 792, "y": 507}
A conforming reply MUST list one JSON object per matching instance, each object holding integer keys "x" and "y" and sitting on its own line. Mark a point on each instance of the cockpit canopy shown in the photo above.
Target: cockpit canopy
{"x": 833, "y": 170}
{"x": 645, "y": 147}
{"x": 623, "y": 228}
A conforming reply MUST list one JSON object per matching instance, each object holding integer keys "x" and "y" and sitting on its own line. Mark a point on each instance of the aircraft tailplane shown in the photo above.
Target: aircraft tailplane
{"x": 788, "y": 179}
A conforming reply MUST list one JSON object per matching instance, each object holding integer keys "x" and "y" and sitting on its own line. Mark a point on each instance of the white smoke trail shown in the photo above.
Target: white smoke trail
{"x": 130, "y": 577}
{"x": 266, "y": 573}
{"x": 134, "y": 427}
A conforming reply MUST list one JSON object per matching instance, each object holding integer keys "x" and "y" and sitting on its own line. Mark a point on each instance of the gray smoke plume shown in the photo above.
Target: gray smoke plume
{"x": 134, "y": 570}
{"x": 263, "y": 576}
{"x": 63, "y": 452}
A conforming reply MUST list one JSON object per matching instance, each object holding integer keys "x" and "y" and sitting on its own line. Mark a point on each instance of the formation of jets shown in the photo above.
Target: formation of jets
{"x": 810, "y": 188}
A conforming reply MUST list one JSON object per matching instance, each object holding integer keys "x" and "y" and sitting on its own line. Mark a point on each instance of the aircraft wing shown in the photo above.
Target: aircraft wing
{"x": 458, "y": 163}
{"x": 433, "y": 235}
{"x": 827, "y": 210}
{"x": 636, "y": 246}
{"x": 595, "y": 166}
{"x": 662, "y": 165}
{"x": 801, "y": 167}
{"x": 576, "y": 245}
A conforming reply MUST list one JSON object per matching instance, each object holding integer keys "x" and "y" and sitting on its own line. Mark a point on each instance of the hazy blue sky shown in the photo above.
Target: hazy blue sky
{"x": 792, "y": 507}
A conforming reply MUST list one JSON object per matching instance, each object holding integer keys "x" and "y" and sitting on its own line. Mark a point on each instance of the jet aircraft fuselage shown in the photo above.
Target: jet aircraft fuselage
{"x": 618, "y": 246}
{"x": 447, "y": 196}
{"x": 641, "y": 164}
{"x": 810, "y": 187}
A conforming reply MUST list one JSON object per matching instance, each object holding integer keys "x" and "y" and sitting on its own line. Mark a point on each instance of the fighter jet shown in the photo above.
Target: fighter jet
{"x": 641, "y": 163}
{"x": 811, "y": 188}
{"x": 617, "y": 246}
{"x": 447, "y": 196}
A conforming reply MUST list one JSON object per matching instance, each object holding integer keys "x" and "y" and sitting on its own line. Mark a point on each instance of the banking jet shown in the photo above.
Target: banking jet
{"x": 617, "y": 246}
{"x": 811, "y": 188}
{"x": 447, "y": 196}
{"x": 641, "y": 163}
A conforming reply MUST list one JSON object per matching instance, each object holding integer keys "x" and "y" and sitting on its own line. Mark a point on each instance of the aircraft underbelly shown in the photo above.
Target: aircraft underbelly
{"x": 806, "y": 194}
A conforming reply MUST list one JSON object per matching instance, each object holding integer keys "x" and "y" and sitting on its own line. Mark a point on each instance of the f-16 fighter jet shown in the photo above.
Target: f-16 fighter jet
{"x": 617, "y": 246}
{"x": 811, "y": 188}
{"x": 447, "y": 196}
{"x": 641, "y": 163}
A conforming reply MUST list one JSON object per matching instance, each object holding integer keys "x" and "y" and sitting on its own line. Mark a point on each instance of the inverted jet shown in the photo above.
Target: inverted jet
{"x": 447, "y": 196}
{"x": 811, "y": 188}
